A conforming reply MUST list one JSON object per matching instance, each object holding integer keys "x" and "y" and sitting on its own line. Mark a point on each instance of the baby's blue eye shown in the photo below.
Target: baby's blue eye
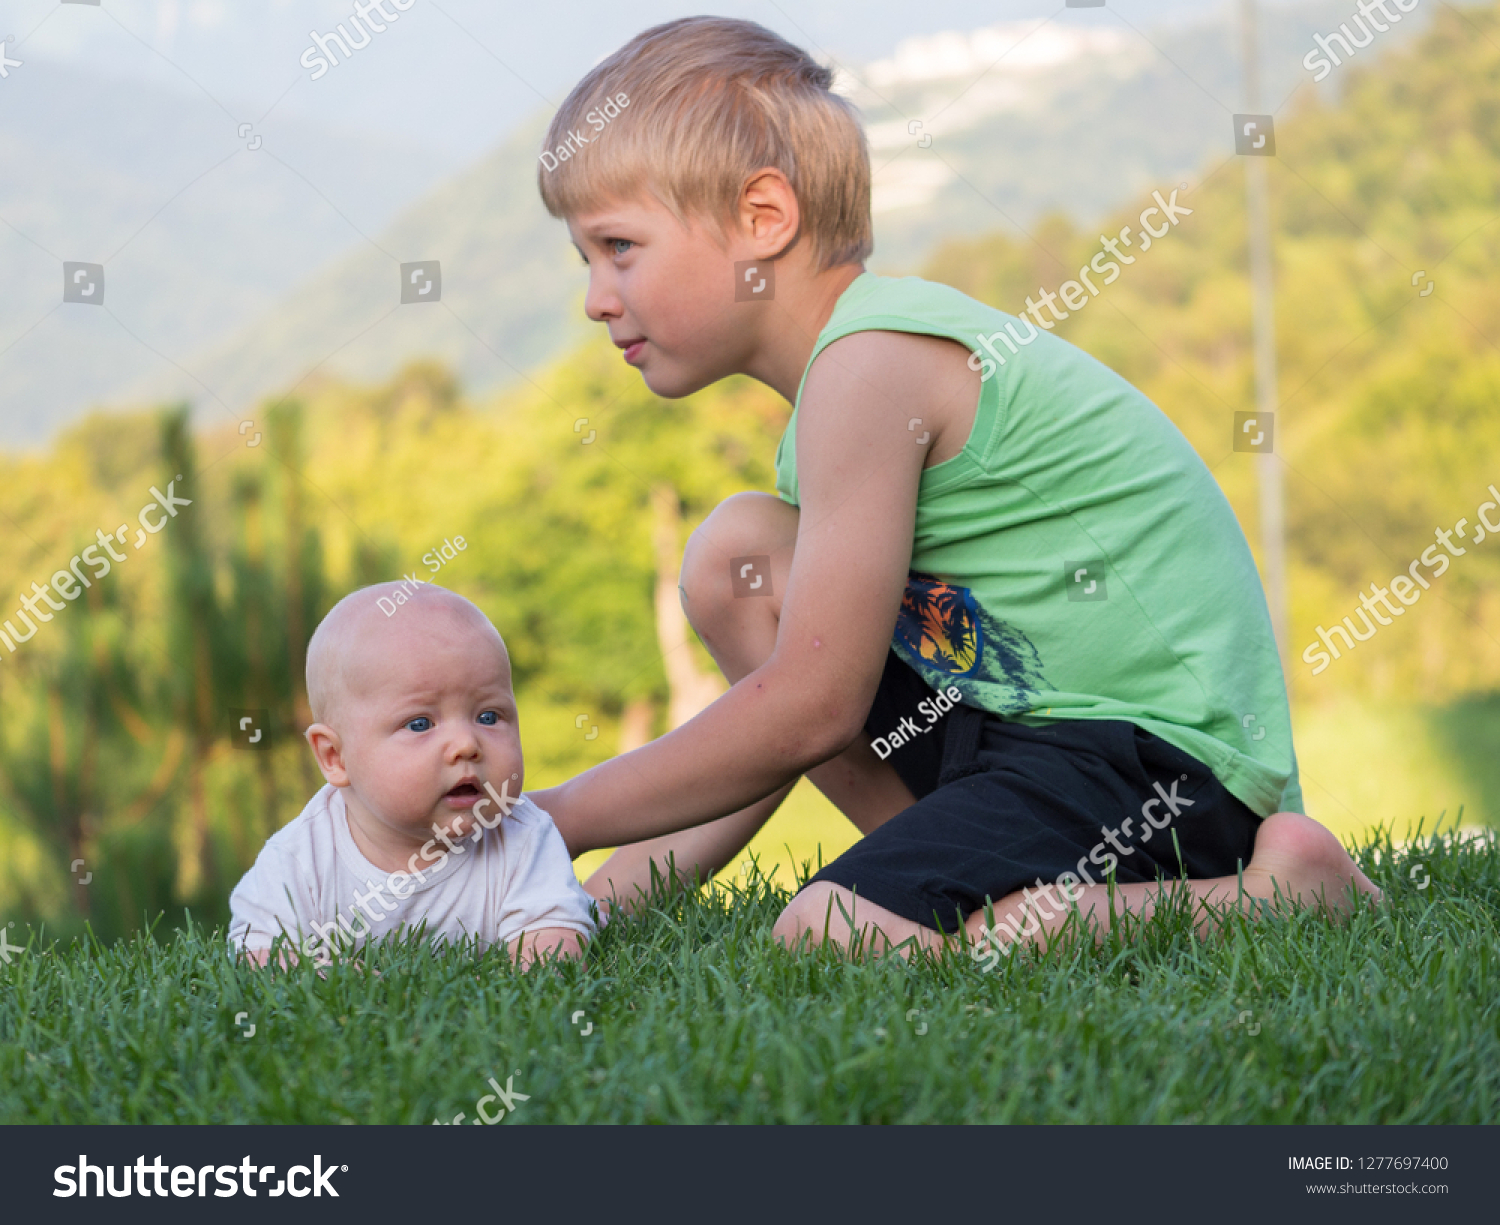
{"x": 616, "y": 243}
{"x": 422, "y": 720}
{"x": 489, "y": 718}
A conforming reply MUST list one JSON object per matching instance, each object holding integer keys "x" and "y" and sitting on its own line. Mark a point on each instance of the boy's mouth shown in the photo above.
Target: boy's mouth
{"x": 632, "y": 349}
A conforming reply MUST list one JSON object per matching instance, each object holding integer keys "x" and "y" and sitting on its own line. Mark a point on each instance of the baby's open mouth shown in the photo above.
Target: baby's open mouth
{"x": 464, "y": 791}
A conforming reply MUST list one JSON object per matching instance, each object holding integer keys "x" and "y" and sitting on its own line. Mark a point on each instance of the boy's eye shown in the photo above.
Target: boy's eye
{"x": 616, "y": 243}
{"x": 420, "y": 724}
{"x": 490, "y": 717}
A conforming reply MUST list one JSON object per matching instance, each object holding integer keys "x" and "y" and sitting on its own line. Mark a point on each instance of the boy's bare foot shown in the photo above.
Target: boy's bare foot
{"x": 1305, "y": 863}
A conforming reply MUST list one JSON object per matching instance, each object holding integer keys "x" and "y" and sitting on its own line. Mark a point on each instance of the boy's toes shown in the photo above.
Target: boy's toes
{"x": 1305, "y": 862}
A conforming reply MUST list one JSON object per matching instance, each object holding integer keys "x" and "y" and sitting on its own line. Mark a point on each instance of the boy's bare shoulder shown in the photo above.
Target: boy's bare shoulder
{"x": 901, "y": 355}
{"x": 901, "y": 377}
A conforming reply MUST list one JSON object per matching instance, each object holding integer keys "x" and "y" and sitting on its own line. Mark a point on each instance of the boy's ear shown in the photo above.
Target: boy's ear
{"x": 769, "y": 214}
{"x": 329, "y": 751}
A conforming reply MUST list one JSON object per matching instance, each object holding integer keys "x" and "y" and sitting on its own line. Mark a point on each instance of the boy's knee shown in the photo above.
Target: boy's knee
{"x": 747, "y": 525}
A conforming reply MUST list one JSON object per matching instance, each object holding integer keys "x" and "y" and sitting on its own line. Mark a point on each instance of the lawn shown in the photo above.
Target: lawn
{"x": 691, "y": 1014}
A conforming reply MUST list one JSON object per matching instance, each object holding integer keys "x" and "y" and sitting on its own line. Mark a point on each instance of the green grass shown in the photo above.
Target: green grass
{"x": 698, "y": 1017}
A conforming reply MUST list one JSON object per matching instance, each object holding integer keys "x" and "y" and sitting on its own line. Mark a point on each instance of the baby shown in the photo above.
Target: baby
{"x": 422, "y": 818}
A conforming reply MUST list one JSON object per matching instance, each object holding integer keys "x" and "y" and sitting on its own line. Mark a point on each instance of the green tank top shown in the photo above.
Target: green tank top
{"x": 1076, "y": 560}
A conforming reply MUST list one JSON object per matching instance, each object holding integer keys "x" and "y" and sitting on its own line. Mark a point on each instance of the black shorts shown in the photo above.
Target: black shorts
{"x": 1001, "y": 806}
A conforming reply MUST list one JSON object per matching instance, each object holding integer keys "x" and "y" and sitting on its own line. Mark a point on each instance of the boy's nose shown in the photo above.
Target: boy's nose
{"x": 601, "y": 303}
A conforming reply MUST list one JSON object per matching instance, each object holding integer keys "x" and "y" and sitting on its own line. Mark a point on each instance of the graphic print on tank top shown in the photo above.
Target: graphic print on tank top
{"x": 945, "y": 634}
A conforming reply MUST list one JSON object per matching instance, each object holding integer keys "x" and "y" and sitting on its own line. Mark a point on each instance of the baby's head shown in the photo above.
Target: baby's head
{"x": 413, "y": 712}
{"x": 703, "y": 144}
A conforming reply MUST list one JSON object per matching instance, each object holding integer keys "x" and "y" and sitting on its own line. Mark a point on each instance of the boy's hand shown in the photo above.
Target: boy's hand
{"x": 859, "y": 468}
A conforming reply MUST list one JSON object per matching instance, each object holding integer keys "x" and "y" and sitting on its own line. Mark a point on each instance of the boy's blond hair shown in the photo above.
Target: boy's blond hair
{"x": 712, "y": 100}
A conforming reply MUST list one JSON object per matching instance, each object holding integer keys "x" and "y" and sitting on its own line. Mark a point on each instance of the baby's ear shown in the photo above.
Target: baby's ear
{"x": 329, "y": 751}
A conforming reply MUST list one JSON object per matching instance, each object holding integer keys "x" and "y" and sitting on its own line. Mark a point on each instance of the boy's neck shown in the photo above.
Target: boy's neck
{"x": 804, "y": 302}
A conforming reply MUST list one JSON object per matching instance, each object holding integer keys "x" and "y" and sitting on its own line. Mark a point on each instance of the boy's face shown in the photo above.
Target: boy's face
{"x": 428, "y": 719}
{"x": 666, "y": 293}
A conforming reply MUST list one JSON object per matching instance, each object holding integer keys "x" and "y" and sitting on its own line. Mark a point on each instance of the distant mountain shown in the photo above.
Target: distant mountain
{"x": 510, "y": 294}
{"x": 200, "y": 235}
{"x": 1078, "y": 114}
{"x": 250, "y": 282}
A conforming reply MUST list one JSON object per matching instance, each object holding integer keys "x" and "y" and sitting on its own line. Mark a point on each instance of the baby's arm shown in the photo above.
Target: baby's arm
{"x": 543, "y": 902}
{"x": 262, "y": 906}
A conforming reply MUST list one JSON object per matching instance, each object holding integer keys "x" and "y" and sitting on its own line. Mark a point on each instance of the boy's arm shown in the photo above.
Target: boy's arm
{"x": 859, "y": 468}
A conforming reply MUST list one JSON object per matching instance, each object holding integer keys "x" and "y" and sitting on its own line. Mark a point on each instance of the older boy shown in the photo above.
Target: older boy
{"x": 957, "y": 511}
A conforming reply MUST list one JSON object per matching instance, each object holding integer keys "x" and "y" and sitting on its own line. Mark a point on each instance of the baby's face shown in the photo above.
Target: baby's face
{"x": 429, "y": 718}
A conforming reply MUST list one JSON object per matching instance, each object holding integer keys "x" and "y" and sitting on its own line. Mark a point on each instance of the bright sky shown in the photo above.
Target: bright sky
{"x": 483, "y": 65}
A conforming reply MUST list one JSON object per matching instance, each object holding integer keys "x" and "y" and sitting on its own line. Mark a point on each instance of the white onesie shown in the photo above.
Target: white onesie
{"x": 313, "y": 882}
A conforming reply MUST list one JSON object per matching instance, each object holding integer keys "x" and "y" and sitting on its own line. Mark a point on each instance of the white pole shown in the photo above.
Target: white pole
{"x": 1268, "y": 466}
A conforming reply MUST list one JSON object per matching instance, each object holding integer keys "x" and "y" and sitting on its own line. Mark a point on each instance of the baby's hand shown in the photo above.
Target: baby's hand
{"x": 260, "y": 957}
{"x": 530, "y": 947}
